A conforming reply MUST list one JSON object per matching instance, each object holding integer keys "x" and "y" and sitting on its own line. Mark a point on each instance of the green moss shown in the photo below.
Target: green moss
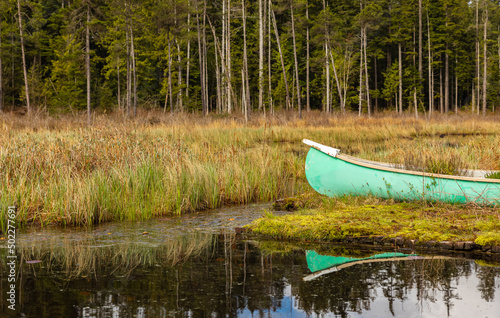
{"x": 489, "y": 238}
{"x": 416, "y": 221}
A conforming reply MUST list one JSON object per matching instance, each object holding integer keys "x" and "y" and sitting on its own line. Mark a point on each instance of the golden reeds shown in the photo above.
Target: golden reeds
{"x": 59, "y": 170}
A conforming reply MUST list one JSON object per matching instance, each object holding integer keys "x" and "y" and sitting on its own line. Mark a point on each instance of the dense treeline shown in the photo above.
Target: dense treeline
{"x": 250, "y": 55}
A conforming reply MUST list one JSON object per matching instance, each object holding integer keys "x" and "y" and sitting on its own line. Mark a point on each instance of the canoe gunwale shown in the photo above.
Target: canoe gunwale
{"x": 386, "y": 167}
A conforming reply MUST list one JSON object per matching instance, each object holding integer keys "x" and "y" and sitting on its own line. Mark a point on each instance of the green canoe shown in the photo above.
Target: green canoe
{"x": 334, "y": 174}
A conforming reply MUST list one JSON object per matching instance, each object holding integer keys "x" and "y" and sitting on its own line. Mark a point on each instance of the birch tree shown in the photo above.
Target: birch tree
{"x": 245, "y": 83}
{"x": 485, "y": 55}
{"x": 295, "y": 59}
{"x": 278, "y": 43}
{"x": 261, "y": 54}
{"x": 23, "y": 55}
{"x": 308, "y": 95}
{"x": 1, "y": 68}
{"x": 87, "y": 63}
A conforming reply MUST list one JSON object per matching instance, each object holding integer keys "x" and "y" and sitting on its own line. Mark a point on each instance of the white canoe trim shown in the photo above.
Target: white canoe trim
{"x": 474, "y": 176}
{"x": 328, "y": 150}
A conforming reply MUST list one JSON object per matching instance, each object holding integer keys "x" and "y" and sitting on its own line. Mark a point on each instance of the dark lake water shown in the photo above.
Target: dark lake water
{"x": 195, "y": 266}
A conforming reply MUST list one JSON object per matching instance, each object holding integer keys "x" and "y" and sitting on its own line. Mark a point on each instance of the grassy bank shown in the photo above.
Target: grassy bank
{"x": 115, "y": 173}
{"x": 58, "y": 170}
{"x": 338, "y": 219}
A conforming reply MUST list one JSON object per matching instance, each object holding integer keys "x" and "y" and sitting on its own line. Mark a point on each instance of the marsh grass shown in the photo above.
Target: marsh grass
{"x": 58, "y": 170}
{"x": 434, "y": 158}
{"x": 105, "y": 174}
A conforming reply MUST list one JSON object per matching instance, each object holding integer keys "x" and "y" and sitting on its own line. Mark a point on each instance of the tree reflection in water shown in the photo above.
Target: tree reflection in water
{"x": 221, "y": 275}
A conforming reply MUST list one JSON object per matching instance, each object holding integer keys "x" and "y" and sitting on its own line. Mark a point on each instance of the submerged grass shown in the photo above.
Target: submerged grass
{"x": 337, "y": 219}
{"x": 61, "y": 171}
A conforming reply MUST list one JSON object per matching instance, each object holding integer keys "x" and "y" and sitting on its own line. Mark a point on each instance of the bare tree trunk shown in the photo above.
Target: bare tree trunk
{"x": 478, "y": 72}
{"x": 1, "y": 70}
{"x": 244, "y": 105}
{"x": 228, "y": 56}
{"x": 261, "y": 55}
{"x": 473, "y": 96}
{"x": 456, "y": 88}
{"x": 389, "y": 65}
{"x": 296, "y": 61}
{"x": 446, "y": 81}
{"x": 375, "y": 110}
{"x": 119, "y": 85}
{"x": 222, "y": 60}
{"x": 327, "y": 65}
{"x": 361, "y": 61}
{"x": 170, "y": 93}
{"x": 415, "y": 103}
{"x": 400, "y": 56}
{"x": 431, "y": 83}
{"x": 485, "y": 58}
{"x": 223, "y": 56}
{"x": 282, "y": 61}
{"x": 129, "y": 77}
{"x": 441, "y": 104}
{"x": 218, "y": 80}
{"x": 205, "y": 57}
{"x": 245, "y": 62}
{"x": 188, "y": 57}
{"x": 270, "y": 91}
{"x": 134, "y": 72}
{"x": 368, "y": 105}
{"x": 360, "y": 106}
{"x": 420, "y": 57}
{"x": 339, "y": 88}
{"x": 308, "y": 97}
{"x": 12, "y": 67}
{"x": 201, "y": 61}
{"x": 25, "y": 71}
{"x": 87, "y": 63}
{"x": 327, "y": 75}
{"x": 179, "y": 77}
{"x": 346, "y": 72}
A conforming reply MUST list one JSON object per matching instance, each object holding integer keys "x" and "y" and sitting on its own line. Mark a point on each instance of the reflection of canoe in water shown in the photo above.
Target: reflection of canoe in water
{"x": 324, "y": 264}
{"x": 334, "y": 174}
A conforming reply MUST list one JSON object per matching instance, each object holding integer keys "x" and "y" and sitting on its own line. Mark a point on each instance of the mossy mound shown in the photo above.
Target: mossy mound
{"x": 418, "y": 222}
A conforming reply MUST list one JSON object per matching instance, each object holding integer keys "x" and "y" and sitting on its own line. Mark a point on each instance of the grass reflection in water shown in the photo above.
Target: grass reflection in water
{"x": 225, "y": 275}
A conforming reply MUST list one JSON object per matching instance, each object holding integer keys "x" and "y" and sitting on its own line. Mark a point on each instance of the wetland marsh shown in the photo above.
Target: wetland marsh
{"x": 136, "y": 218}
{"x": 58, "y": 171}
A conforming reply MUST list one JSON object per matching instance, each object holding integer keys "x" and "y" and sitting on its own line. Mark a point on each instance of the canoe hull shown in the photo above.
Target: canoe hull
{"x": 334, "y": 176}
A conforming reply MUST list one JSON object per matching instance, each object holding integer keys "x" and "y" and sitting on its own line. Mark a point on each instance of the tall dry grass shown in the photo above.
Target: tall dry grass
{"x": 58, "y": 170}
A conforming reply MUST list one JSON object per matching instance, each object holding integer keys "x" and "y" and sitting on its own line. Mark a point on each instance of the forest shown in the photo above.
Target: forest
{"x": 248, "y": 56}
